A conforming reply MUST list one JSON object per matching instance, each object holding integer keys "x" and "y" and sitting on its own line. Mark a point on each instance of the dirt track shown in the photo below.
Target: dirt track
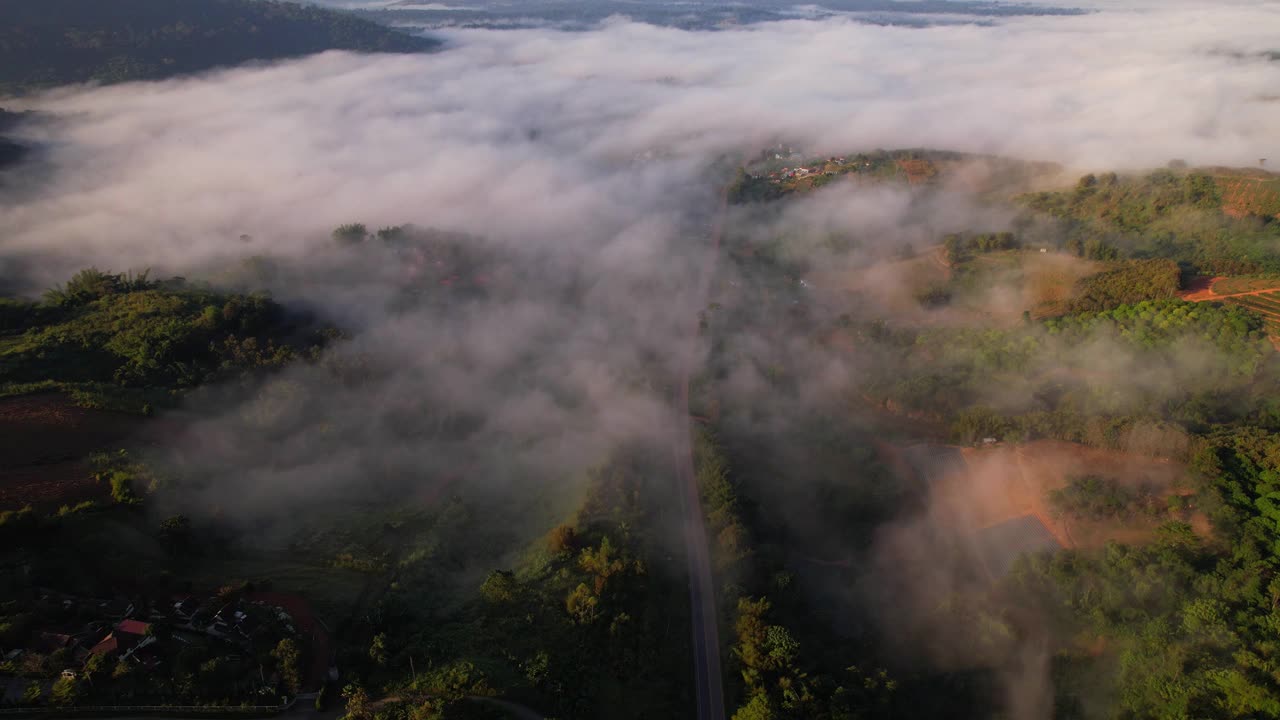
{"x": 1207, "y": 293}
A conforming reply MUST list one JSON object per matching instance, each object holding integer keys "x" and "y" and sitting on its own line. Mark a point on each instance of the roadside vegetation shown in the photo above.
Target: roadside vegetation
{"x": 778, "y": 665}
{"x": 590, "y": 620}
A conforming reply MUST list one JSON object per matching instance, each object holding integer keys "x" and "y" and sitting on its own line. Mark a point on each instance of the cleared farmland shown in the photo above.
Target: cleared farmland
{"x": 1234, "y": 285}
{"x": 1244, "y": 196}
{"x": 1268, "y": 304}
{"x": 45, "y": 442}
{"x": 994, "y": 499}
{"x": 1262, "y": 301}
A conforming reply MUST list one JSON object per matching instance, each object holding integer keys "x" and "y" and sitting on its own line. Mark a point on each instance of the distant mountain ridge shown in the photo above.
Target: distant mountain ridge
{"x": 44, "y": 43}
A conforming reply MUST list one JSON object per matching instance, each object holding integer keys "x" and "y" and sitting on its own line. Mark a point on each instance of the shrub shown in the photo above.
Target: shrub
{"x": 350, "y": 234}
{"x": 1096, "y": 498}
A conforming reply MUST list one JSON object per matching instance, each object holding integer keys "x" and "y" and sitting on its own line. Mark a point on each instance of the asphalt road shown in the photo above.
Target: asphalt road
{"x": 708, "y": 680}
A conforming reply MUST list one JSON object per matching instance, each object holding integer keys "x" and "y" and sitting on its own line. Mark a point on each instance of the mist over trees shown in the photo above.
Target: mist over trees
{"x": 443, "y": 359}
{"x": 125, "y": 339}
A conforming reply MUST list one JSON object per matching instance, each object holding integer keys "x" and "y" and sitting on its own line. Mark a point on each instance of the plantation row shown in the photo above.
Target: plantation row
{"x": 1249, "y": 196}
{"x": 1158, "y": 322}
{"x": 1233, "y": 285}
{"x": 1265, "y": 304}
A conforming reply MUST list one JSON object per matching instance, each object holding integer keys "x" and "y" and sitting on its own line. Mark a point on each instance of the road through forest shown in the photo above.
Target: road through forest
{"x": 702, "y": 600}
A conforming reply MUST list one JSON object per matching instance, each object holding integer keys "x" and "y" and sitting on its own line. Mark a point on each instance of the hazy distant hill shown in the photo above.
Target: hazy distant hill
{"x": 701, "y": 15}
{"x": 54, "y": 42}
{"x": 10, "y": 152}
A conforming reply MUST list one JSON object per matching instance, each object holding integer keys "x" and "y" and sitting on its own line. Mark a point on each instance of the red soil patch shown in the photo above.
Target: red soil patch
{"x": 994, "y": 485}
{"x": 917, "y": 171}
{"x": 1199, "y": 288}
{"x": 1199, "y": 291}
{"x": 1006, "y": 482}
{"x": 45, "y": 440}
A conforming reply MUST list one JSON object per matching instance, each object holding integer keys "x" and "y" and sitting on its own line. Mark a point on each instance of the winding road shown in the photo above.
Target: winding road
{"x": 702, "y": 597}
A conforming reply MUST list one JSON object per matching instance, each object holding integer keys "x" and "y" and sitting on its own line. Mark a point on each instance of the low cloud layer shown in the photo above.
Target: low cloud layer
{"x": 539, "y": 136}
{"x": 577, "y": 164}
{"x": 582, "y": 159}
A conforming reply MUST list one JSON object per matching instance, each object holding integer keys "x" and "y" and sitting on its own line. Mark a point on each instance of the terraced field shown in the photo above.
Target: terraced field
{"x": 1265, "y": 304}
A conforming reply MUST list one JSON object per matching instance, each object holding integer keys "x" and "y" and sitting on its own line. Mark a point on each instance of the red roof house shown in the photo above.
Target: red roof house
{"x": 133, "y": 627}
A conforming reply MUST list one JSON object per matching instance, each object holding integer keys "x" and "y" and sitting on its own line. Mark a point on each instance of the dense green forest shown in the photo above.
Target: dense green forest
{"x": 127, "y": 40}
{"x": 1176, "y": 215}
{"x": 1131, "y": 282}
{"x": 1188, "y": 623}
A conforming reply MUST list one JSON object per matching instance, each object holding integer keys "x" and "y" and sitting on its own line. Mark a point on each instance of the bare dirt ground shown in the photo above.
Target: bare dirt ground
{"x": 1005, "y": 482}
{"x": 918, "y": 172}
{"x": 45, "y": 442}
{"x": 973, "y": 490}
{"x": 1198, "y": 289}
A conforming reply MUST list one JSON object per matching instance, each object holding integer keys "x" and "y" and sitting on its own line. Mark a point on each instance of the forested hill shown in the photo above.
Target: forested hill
{"x": 54, "y": 42}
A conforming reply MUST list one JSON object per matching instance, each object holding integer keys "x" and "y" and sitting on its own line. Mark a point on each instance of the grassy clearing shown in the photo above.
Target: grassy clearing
{"x": 1233, "y": 285}
{"x": 1008, "y": 282}
{"x": 895, "y": 283}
